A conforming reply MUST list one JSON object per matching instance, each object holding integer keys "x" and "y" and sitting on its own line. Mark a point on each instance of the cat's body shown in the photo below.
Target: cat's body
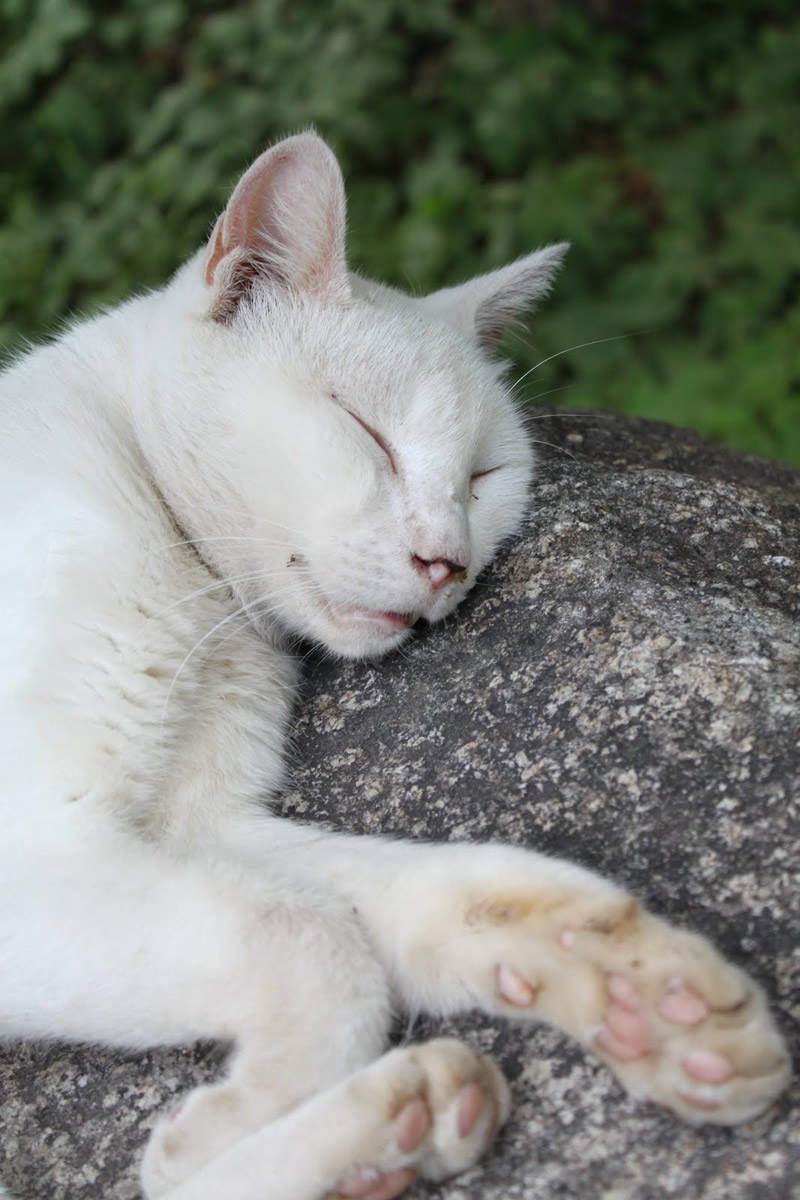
{"x": 271, "y": 447}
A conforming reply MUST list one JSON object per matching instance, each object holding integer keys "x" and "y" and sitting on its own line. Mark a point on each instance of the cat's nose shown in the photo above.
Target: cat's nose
{"x": 439, "y": 570}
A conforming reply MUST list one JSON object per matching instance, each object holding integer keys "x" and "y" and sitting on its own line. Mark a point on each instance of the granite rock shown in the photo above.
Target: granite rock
{"x": 622, "y": 687}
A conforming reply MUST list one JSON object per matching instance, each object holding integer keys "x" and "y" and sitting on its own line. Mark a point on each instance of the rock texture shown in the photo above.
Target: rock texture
{"x": 623, "y": 688}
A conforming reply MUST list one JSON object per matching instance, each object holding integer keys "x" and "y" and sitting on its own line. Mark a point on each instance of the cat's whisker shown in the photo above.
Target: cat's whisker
{"x": 225, "y": 510}
{"x": 411, "y": 1021}
{"x": 228, "y": 637}
{"x": 565, "y": 387}
{"x": 257, "y": 574}
{"x": 580, "y": 346}
{"x": 403, "y": 652}
{"x": 222, "y": 537}
{"x": 203, "y": 591}
{"x": 254, "y": 608}
{"x": 586, "y": 414}
{"x": 280, "y": 526}
{"x": 555, "y": 446}
{"x": 231, "y": 616}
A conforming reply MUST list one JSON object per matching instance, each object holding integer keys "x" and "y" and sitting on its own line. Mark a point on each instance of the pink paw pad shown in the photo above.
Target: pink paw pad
{"x": 708, "y": 1066}
{"x": 368, "y": 1183}
{"x": 358, "y": 1181}
{"x": 625, "y": 1034}
{"x": 470, "y": 1104}
{"x": 624, "y": 992}
{"x": 680, "y": 1005}
{"x": 411, "y": 1125}
{"x": 512, "y": 988}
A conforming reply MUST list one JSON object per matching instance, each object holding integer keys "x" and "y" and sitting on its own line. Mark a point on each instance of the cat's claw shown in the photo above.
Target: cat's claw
{"x": 513, "y": 988}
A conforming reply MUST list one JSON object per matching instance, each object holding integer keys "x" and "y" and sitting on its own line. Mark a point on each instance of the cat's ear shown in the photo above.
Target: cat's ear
{"x": 284, "y": 224}
{"x": 484, "y": 307}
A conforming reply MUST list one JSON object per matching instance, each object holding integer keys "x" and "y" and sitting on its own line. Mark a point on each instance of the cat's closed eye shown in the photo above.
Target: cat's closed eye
{"x": 376, "y": 437}
{"x": 481, "y": 475}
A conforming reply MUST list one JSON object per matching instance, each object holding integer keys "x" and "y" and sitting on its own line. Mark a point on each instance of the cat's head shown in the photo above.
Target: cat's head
{"x": 356, "y": 457}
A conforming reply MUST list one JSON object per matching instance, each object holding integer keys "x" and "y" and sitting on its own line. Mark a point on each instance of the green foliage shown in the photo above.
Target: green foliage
{"x": 659, "y": 136}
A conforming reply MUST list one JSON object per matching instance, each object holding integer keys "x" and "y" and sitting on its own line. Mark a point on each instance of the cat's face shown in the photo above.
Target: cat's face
{"x": 365, "y": 457}
{"x": 382, "y": 462}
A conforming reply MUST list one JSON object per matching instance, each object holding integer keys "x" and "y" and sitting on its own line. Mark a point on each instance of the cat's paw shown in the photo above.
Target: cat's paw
{"x": 708, "y": 1053}
{"x": 439, "y": 1106}
{"x": 524, "y": 935}
{"x": 429, "y": 1109}
{"x": 677, "y": 1023}
{"x": 687, "y": 1029}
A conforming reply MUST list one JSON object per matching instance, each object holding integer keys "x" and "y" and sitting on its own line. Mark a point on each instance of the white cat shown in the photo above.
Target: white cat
{"x": 270, "y": 447}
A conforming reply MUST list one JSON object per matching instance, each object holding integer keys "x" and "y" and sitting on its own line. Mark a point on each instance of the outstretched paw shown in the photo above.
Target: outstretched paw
{"x": 677, "y": 1023}
{"x": 699, "y": 1040}
{"x": 446, "y": 1105}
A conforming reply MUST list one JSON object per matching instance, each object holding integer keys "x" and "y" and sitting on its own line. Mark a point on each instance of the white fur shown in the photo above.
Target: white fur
{"x": 189, "y": 482}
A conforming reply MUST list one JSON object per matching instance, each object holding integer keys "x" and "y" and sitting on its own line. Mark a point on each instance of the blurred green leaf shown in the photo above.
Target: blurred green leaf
{"x": 661, "y": 139}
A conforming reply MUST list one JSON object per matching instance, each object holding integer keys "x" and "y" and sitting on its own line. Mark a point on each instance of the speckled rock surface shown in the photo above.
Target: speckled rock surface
{"x": 623, "y": 687}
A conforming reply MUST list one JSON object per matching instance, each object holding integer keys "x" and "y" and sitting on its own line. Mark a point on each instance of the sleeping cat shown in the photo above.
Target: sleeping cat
{"x": 273, "y": 448}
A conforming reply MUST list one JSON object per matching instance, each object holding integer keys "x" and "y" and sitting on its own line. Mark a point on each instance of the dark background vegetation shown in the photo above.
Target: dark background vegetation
{"x": 661, "y": 137}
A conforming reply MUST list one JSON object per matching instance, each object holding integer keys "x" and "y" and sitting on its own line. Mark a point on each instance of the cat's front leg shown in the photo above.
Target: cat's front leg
{"x": 519, "y": 934}
{"x": 430, "y": 1109}
{"x": 523, "y": 935}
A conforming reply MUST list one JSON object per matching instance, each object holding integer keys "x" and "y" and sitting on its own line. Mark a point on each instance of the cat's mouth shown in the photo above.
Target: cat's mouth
{"x": 389, "y": 622}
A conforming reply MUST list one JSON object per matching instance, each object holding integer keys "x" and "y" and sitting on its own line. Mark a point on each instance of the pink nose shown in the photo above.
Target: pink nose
{"x": 439, "y": 570}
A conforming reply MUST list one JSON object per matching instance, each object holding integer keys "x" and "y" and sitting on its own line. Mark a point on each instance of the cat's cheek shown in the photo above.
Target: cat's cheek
{"x": 449, "y": 601}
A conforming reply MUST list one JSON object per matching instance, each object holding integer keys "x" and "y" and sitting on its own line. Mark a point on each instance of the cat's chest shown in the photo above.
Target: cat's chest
{"x": 128, "y": 659}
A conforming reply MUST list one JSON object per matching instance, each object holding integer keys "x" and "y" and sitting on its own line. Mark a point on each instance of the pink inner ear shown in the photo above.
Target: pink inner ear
{"x": 238, "y": 225}
{"x": 284, "y": 222}
{"x": 216, "y": 252}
